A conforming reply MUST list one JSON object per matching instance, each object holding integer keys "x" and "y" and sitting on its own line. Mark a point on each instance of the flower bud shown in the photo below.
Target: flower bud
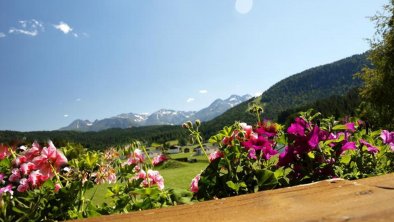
{"x": 185, "y": 126}
{"x": 189, "y": 124}
{"x": 198, "y": 122}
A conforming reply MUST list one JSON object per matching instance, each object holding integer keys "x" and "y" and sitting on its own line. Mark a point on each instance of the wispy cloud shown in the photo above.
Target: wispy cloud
{"x": 27, "y": 27}
{"x": 2, "y": 35}
{"x": 78, "y": 100}
{"x": 203, "y": 91}
{"x": 189, "y": 100}
{"x": 64, "y": 27}
{"x": 66, "y": 115}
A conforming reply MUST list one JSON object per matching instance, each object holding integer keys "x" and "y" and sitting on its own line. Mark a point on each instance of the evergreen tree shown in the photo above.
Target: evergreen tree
{"x": 377, "y": 91}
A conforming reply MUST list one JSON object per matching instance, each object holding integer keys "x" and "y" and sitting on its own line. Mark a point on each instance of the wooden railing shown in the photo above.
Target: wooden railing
{"x": 369, "y": 199}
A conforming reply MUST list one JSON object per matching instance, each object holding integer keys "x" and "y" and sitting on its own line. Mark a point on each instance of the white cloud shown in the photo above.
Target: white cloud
{"x": 243, "y": 6}
{"x": 63, "y": 27}
{"x": 66, "y": 115}
{"x": 2, "y": 35}
{"x": 203, "y": 91}
{"x": 78, "y": 100}
{"x": 28, "y": 27}
{"x": 189, "y": 100}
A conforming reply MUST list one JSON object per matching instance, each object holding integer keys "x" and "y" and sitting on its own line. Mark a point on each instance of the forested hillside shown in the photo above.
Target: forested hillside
{"x": 299, "y": 90}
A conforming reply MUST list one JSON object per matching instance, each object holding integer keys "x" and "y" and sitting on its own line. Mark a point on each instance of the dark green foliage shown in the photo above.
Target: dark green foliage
{"x": 313, "y": 84}
{"x": 377, "y": 91}
{"x": 337, "y": 106}
{"x": 96, "y": 140}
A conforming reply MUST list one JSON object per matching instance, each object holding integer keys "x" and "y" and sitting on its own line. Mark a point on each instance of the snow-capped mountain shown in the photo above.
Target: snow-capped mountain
{"x": 220, "y": 106}
{"x": 160, "y": 117}
{"x": 169, "y": 117}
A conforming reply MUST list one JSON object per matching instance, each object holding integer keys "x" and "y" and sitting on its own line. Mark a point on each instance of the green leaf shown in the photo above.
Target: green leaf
{"x": 345, "y": 159}
{"x": 232, "y": 185}
{"x": 15, "y": 209}
{"x": 311, "y": 155}
{"x": 266, "y": 179}
{"x": 339, "y": 127}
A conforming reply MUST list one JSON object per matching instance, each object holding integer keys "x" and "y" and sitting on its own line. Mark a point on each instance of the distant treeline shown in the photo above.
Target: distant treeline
{"x": 97, "y": 140}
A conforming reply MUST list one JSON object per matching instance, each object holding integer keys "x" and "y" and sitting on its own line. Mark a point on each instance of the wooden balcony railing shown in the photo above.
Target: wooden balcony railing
{"x": 370, "y": 199}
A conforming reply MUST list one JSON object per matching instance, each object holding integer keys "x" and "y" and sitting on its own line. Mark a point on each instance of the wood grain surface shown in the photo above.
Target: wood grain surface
{"x": 370, "y": 199}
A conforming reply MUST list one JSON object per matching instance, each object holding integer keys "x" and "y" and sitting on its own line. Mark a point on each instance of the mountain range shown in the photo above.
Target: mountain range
{"x": 160, "y": 117}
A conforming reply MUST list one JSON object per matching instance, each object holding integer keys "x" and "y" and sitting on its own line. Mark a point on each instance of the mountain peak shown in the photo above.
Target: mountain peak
{"x": 160, "y": 117}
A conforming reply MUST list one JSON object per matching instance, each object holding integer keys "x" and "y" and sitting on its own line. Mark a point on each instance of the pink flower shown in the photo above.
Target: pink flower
{"x": 141, "y": 174}
{"x": 151, "y": 178}
{"x": 314, "y": 137}
{"x": 156, "y": 178}
{"x": 350, "y": 127}
{"x": 36, "y": 178}
{"x": 371, "y": 149}
{"x": 105, "y": 174}
{"x": 57, "y": 187}
{"x": 159, "y": 159}
{"x": 23, "y": 185}
{"x": 252, "y": 154}
{"x": 137, "y": 169}
{"x": 6, "y": 189}
{"x": 26, "y": 168}
{"x": 4, "y": 152}
{"x": 215, "y": 155}
{"x": 388, "y": 138}
{"x": 50, "y": 159}
{"x": 34, "y": 151}
{"x": 297, "y": 128}
{"x": 136, "y": 157}
{"x": 19, "y": 160}
{"x": 194, "y": 184}
{"x": 348, "y": 146}
{"x": 15, "y": 175}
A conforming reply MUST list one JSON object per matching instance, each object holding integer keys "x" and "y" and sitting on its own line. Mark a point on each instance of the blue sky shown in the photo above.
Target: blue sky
{"x": 67, "y": 59}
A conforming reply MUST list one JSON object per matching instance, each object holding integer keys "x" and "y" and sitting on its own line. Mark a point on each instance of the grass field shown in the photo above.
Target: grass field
{"x": 175, "y": 176}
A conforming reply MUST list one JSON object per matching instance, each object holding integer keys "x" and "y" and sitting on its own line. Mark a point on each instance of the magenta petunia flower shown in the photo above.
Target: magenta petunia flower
{"x": 314, "y": 137}
{"x": 194, "y": 184}
{"x": 371, "y": 149}
{"x": 350, "y": 127}
{"x": 348, "y": 146}
{"x": 297, "y": 128}
{"x": 252, "y": 154}
{"x": 268, "y": 152}
{"x": 388, "y": 138}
